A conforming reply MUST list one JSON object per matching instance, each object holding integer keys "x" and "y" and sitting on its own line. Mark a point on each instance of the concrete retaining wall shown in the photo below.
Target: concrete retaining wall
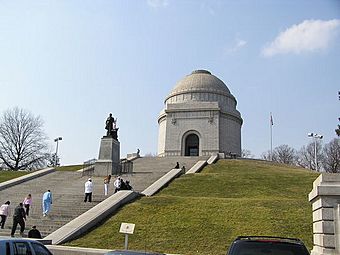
{"x": 161, "y": 182}
{"x": 197, "y": 167}
{"x": 212, "y": 159}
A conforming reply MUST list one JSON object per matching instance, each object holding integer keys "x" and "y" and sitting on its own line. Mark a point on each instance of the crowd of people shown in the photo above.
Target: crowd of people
{"x": 21, "y": 212}
{"x": 118, "y": 184}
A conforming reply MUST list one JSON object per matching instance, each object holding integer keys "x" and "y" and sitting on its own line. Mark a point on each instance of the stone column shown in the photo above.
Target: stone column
{"x": 109, "y": 157}
{"x": 325, "y": 199}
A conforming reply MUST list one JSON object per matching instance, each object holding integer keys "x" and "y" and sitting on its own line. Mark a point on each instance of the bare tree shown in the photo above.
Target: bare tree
{"x": 331, "y": 156}
{"x": 284, "y": 154}
{"x": 337, "y": 131}
{"x": 22, "y": 140}
{"x": 281, "y": 154}
{"x": 247, "y": 154}
{"x": 266, "y": 155}
{"x": 306, "y": 155}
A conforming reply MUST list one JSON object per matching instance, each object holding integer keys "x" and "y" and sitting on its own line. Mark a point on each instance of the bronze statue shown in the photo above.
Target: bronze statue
{"x": 110, "y": 126}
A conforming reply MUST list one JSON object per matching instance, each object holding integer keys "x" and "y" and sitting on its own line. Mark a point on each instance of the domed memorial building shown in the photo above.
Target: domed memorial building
{"x": 200, "y": 118}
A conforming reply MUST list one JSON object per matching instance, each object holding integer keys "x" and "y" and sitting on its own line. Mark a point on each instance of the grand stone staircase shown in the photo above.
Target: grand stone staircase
{"x": 68, "y": 200}
{"x": 68, "y": 192}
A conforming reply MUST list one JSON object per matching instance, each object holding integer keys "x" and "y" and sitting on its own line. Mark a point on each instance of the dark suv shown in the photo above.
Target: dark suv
{"x": 267, "y": 245}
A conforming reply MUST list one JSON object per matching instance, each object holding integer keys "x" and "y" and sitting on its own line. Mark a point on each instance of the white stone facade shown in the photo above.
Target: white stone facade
{"x": 199, "y": 119}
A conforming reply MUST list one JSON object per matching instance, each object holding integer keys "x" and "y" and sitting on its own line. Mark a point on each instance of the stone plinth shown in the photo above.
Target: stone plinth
{"x": 325, "y": 199}
{"x": 109, "y": 157}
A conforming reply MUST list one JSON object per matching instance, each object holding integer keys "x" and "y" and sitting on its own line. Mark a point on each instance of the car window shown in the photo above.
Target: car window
{"x": 8, "y": 250}
{"x": 39, "y": 249}
{"x": 269, "y": 248}
{"x": 22, "y": 248}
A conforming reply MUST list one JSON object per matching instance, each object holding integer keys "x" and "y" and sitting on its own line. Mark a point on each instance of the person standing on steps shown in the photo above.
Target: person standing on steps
{"x": 27, "y": 203}
{"x": 117, "y": 184}
{"x": 46, "y": 202}
{"x": 107, "y": 180}
{"x": 88, "y": 190}
{"x": 19, "y": 217}
{"x": 4, "y": 213}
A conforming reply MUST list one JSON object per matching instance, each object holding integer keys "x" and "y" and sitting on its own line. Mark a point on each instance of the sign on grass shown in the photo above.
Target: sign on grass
{"x": 127, "y": 228}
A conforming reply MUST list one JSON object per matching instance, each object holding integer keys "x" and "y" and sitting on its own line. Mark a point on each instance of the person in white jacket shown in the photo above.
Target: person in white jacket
{"x": 117, "y": 184}
{"x": 88, "y": 190}
{"x": 4, "y": 212}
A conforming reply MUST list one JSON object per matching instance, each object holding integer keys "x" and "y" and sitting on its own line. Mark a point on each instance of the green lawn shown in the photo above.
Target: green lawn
{"x": 8, "y": 175}
{"x": 69, "y": 168}
{"x": 202, "y": 213}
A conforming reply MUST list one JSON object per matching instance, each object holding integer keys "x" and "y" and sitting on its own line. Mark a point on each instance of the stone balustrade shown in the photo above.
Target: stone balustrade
{"x": 325, "y": 199}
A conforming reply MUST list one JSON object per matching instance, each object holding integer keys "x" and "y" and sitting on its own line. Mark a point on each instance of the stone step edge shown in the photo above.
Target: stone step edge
{"x": 25, "y": 178}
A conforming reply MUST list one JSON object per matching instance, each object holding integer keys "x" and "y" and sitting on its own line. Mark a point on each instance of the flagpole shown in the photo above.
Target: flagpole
{"x": 271, "y": 136}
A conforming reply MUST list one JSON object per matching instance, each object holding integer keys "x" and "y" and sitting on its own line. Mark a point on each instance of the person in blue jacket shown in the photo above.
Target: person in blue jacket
{"x": 46, "y": 202}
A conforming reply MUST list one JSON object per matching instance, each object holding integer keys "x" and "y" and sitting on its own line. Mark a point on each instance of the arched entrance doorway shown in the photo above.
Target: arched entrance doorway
{"x": 192, "y": 145}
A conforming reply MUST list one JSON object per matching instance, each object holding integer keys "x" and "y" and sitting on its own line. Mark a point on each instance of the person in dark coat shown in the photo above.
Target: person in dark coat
{"x": 19, "y": 217}
{"x": 34, "y": 233}
{"x": 127, "y": 185}
{"x": 123, "y": 185}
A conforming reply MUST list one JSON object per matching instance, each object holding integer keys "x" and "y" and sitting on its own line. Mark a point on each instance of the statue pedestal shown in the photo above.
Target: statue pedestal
{"x": 109, "y": 157}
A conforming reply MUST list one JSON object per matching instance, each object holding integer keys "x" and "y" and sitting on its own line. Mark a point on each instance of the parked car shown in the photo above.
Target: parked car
{"x": 127, "y": 252}
{"x": 260, "y": 245}
{"x": 22, "y": 246}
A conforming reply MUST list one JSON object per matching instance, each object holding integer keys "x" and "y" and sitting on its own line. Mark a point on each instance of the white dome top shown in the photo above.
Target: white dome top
{"x": 200, "y": 81}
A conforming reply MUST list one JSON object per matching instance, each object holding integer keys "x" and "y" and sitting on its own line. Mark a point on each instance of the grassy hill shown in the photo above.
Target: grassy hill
{"x": 8, "y": 175}
{"x": 203, "y": 213}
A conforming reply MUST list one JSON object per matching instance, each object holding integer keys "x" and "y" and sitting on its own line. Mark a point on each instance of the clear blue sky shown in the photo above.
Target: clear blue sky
{"x": 74, "y": 61}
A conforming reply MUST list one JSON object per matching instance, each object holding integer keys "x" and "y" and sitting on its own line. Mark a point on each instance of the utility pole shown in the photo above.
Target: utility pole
{"x": 56, "y": 150}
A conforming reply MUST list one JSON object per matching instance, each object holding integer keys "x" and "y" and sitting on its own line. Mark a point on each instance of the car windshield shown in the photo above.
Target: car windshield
{"x": 268, "y": 248}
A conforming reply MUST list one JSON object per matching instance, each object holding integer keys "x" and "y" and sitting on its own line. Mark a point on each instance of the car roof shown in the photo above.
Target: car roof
{"x": 130, "y": 252}
{"x": 6, "y": 238}
{"x": 269, "y": 239}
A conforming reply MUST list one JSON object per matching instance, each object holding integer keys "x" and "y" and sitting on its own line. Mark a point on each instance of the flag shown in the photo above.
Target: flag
{"x": 271, "y": 119}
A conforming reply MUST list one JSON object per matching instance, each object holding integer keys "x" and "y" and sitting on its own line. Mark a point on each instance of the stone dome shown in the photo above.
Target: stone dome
{"x": 200, "y": 81}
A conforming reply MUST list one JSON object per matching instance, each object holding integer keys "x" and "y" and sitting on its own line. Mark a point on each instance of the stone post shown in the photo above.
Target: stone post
{"x": 109, "y": 157}
{"x": 325, "y": 199}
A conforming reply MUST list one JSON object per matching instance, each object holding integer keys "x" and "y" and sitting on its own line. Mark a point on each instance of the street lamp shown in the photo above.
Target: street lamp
{"x": 315, "y": 136}
{"x": 56, "y": 150}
